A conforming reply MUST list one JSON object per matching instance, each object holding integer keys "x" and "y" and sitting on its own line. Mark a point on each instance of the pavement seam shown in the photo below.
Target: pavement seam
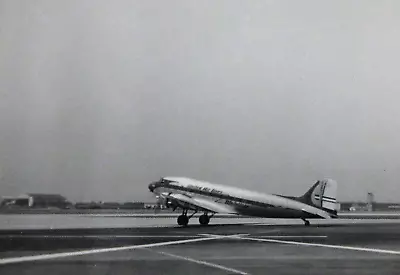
{"x": 353, "y": 248}
{"x": 42, "y": 257}
{"x": 185, "y": 258}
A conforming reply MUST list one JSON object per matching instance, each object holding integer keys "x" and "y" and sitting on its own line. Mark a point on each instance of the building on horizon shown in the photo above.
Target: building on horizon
{"x": 36, "y": 200}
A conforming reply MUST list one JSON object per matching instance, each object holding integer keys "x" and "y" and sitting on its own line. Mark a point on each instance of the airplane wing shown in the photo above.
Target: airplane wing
{"x": 197, "y": 203}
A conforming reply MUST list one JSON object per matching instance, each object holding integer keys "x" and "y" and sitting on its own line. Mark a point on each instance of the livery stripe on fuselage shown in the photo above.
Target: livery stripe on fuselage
{"x": 215, "y": 195}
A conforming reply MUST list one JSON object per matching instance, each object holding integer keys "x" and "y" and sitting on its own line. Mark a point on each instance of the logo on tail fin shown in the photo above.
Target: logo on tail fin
{"x": 322, "y": 195}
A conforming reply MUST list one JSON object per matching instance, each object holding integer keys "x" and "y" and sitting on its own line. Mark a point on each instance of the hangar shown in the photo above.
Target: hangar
{"x": 36, "y": 200}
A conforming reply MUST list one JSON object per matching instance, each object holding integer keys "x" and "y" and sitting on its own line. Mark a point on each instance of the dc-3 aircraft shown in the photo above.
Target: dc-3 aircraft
{"x": 200, "y": 196}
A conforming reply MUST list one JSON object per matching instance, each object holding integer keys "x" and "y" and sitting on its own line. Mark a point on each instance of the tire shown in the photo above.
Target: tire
{"x": 204, "y": 219}
{"x": 183, "y": 220}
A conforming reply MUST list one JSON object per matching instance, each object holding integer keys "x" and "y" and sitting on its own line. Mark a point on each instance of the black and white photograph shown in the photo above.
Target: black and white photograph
{"x": 199, "y": 137}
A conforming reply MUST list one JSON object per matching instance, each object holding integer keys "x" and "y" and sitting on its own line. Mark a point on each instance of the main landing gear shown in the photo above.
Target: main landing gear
{"x": 306, "y": 222}
{"x": 184, "y": 218}
{"x": 204, "y": 219}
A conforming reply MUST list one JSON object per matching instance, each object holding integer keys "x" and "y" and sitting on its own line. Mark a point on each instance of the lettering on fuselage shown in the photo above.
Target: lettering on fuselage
{"x": 224, "y": 198}
{"x": 205, "y": 189}
{"x": 236, "y": 203}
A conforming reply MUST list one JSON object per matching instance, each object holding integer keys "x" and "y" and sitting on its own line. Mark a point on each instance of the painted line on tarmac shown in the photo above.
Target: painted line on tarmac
{"x": 225, "y": 236}
{"x": 292, "y": 236}
{"x": 273, "y": 236}
{"x": 104, "y": 250}
{"x": 343, "y": 247}
{"x": 93, "y": 236}
{"x": 221, "y": 267}
{"x": 6, "y": 227}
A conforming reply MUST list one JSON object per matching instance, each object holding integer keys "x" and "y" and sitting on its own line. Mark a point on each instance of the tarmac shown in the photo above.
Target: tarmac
{"x": 124, "y": 220}
{"x": 355, "y": 247}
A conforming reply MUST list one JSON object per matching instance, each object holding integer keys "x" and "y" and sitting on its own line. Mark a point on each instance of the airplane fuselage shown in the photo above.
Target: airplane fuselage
{"x": 238, "y": 201}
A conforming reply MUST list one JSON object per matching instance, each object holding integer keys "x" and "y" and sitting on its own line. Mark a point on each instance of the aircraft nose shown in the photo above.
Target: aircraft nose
{"x": 152, "y": 186}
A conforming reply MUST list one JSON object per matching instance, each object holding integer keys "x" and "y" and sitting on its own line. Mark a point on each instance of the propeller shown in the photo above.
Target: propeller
{"x": 162, "y": 201}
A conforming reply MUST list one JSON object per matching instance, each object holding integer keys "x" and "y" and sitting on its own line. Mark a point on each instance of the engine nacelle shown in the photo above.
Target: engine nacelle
{"x": 164, "y": 201}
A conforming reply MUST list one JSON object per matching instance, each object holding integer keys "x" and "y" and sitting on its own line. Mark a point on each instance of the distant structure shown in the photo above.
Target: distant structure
{"x": 49, "y": 200}
{"x": 132, "y": 205}
{"x": 21, "y": 201}
{"x": 109, "y": 205}
{"x": 36, "y": 201}
{"x": 370, "y": 205}
{"x": 151, "y": 205}
{"x": 370, "y": 201}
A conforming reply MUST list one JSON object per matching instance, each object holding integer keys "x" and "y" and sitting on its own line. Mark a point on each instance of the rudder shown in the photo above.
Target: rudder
{"x": 322, "y": 195}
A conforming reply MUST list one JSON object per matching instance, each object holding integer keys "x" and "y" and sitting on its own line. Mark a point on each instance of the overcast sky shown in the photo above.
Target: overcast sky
{"x": 99, "y": 98}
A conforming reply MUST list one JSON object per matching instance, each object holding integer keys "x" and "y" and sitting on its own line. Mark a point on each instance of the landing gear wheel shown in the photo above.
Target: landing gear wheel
{"x": 204, "y": 219}
{"x": 183, "y": 220}
{"x": 306, "y": 223}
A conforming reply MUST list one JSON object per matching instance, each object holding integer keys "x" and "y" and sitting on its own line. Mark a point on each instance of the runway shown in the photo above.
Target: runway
{"x": 216, "y": 249}
{"x": 72, "y": 221}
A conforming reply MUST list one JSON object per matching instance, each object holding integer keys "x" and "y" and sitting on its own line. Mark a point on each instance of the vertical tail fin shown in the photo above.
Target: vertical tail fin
{"x": 322, "y": 195}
